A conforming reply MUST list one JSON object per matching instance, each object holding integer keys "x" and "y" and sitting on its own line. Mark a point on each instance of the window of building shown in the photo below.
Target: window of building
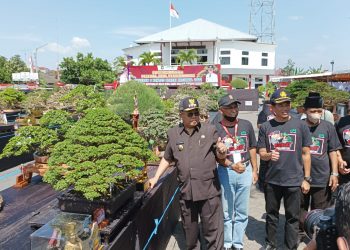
{"x": 202, "y": 59}
{"x": 225, "y": 52}
{"x": 245, "y": 53}
{"x": 264, "y": 62}
{"x": 245, "y": 61}
{"x": 264, "y": 54}
{"x": 259, "y": 79}
{"x": 225, "y": 60}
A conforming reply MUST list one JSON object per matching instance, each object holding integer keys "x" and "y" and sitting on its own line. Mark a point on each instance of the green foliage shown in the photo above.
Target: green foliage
{"x": 11, "y": 98}
{"x": 86, "y": 70}
{"x": 300, "y": 89}
{"x": 119, "y": 63}
{"x": 13, "y": 65}
{"x": 239, "y": 83}
{"x": 98, "y": 150}
{"x": 122, "y": 102}
{"x": 148, "y": 58}
{"x": 82, "y": 98}
{"x": 30, "y": 139}
{"x": 154, "y": 126}
{"x": 36, "y": 100}
{"x": 186, "y": 56}
{"x": 269, "y": 88}
{"x": 58, "y": 120}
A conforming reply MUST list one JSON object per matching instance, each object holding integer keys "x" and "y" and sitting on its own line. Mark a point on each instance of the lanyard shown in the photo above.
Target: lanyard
{"x": 229, "y": 134}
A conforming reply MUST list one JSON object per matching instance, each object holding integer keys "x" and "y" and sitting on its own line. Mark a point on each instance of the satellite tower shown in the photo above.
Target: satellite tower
{"x": 262, "y": 20}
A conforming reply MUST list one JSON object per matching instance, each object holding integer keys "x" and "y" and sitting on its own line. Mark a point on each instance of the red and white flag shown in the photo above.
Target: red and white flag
{"x": 173, "y": 12}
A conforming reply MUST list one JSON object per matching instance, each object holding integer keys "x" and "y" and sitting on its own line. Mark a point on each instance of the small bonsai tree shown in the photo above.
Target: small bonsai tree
{"x": 122, "y": 102}
{"x": 99, "y": 150}
{"x": 11, "y": 98}
{"x": 154, "y": 126}
{"x": 36, "y": 100}
{"x": 39, "y": 139}
{"x": 239, "y": 83}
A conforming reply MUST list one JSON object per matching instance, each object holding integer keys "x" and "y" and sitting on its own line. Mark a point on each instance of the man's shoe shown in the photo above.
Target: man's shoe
{"x": 269, "y": 247}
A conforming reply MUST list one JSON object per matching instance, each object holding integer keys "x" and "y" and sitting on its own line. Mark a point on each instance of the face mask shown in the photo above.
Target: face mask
{"x": 230, "y": 119}
{"x": 314, "y": 118}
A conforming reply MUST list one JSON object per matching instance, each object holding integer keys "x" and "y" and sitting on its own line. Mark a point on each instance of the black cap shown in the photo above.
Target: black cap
{"x": 188, "y": 103}
{"x": 280, "y": 96}
{"x": 227, "y": 100}
{"x": 314, "y": 100}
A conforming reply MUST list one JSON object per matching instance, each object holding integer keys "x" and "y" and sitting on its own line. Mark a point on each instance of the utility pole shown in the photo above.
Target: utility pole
{"x": 36, "y": 56}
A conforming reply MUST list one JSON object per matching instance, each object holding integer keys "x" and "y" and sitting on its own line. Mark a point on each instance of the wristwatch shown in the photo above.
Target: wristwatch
{"x": 308, "y": 179}
{"x": 334, "y": 174}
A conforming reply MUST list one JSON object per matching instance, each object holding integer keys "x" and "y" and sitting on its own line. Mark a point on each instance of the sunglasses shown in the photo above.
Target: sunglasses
{"x": 191, "y": 114}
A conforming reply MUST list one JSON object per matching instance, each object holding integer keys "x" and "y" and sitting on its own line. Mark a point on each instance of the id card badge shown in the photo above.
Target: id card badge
{"x": 237, "y": 157}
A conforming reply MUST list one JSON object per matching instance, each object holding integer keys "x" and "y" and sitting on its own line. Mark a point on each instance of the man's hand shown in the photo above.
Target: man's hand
{"x": 333, "y": 182}
{"x": 152, "y": 182}
{"x": 220, "y": 147}
{"x": 275, "y": 155}
{"x": 305, "y": 187}
{"x": 238, "y": 167}
{"x": 344, "y": 171}
{"x": 255, "y": 177}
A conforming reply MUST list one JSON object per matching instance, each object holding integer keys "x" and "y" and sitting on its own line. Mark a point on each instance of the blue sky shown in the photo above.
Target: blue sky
{"x": 310, "y": 32}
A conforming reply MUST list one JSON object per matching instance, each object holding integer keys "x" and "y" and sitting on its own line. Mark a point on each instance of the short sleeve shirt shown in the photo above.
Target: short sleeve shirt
{"x": 324, "y": 140}
{"x": 194, "y": 157}
{"x": 343, "y": 130}
{"x": 238, "y": 139}
{"x": 288, "y": 138}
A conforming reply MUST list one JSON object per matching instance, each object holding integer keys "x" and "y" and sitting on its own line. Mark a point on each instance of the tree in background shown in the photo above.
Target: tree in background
{"x": 122, "y": 101}
{"x": 14, "y": 65}
{"x": 291, "y": 70}
{"x": 266, "y": 89}
{"x": 11, "y": 98}
{"x": 119, "y": 63}
{"x": 148, "y": 58}
{"x": 186, "y": 56}
{"x": 238, "y": 83}
{"x": 86, "y": 70}
{"x": 300, "y": 89}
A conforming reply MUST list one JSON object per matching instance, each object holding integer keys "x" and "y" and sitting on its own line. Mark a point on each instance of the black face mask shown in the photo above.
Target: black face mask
{"x": 230, "y": 119}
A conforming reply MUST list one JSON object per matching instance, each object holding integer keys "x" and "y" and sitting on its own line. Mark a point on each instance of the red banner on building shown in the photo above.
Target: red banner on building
{"x": 173, "y": 75}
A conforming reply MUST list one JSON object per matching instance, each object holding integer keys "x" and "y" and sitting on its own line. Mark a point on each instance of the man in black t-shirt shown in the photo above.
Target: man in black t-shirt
{"x": 324, "y": 164}
{"x": 343, "y": 130}
{"x": 285, "y": 143}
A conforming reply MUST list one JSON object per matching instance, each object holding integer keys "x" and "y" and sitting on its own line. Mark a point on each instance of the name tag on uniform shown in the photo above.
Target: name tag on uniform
{"x": 237, "y": 157}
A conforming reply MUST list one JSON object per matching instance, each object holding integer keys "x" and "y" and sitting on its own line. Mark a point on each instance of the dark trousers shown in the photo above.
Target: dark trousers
{"x": 211, "y": 214}
{"x": 291, "y": 198}
{"x": 262, "y": 171}
{"x": 316, "y": 198}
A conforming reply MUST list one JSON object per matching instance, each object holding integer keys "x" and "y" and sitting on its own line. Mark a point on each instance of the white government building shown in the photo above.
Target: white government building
{"x": 240, "y": 54}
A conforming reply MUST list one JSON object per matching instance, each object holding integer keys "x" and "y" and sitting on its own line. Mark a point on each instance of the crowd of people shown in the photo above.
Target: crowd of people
{"x": 303, "y": 160}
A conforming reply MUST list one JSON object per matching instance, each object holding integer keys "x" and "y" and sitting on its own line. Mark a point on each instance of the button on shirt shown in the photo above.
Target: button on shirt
{"x": 194, "y": 157}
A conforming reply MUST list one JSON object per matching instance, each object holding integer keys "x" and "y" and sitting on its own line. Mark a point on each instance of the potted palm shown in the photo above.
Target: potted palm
{"x": 97, "y": 163}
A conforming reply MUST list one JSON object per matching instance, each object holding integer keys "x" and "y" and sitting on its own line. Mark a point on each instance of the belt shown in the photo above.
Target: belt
{"x": 246, "y": 163}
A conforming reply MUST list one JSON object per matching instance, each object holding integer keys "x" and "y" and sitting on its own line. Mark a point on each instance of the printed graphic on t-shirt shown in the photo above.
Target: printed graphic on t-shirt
{"x": 238, "y": 144}
{"x": 346, "y": 137}
{"x": 316, "y": 147}
{"x": 282, "y": 141}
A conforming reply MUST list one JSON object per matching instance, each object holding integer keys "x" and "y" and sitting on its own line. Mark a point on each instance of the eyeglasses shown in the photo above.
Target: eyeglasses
{"x": 191, "y": 114}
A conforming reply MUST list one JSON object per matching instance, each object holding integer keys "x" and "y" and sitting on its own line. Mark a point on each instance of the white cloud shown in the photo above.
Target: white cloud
{"x": 135, "y": 31}
{"x": 295, "y": 18}
{"x": 75, "y": 44}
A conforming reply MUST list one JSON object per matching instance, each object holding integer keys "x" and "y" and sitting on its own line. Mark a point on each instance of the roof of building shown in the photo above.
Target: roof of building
{"x": 197, "y": 30}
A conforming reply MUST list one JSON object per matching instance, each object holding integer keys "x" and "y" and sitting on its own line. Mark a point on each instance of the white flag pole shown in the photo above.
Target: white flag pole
{"x": 170, "y": 28}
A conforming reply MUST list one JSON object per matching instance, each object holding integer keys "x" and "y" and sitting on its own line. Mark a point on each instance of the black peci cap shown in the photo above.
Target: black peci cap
{"x": 314, "y": 100}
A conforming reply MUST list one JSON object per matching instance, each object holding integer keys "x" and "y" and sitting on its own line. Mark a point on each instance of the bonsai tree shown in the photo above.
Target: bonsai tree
{"x": 239, "y": 83}
{"x": 122, "y": 102}
{"x": 154, "y": 126}
{"x": 11, "y": 98}
{"x": 99, "y": 150}
{"x": 36, "y": 100}
{"x": 39, "y": 139}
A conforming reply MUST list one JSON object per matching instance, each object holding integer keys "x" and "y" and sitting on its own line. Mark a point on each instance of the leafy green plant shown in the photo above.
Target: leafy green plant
{"x": 238, "y": 83}
{"x": 36, "y": 100}
{"x": 122, "y": 102}
{"x": 40, "y": 139}
{"x": 186, "y": 56}
{"x": 154, "y": 126}
{"x": 99, "y": 149}
{"x": 82, "y": 98}
{"x": 147, "y": 58}
{"x": 11, "y": 98}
